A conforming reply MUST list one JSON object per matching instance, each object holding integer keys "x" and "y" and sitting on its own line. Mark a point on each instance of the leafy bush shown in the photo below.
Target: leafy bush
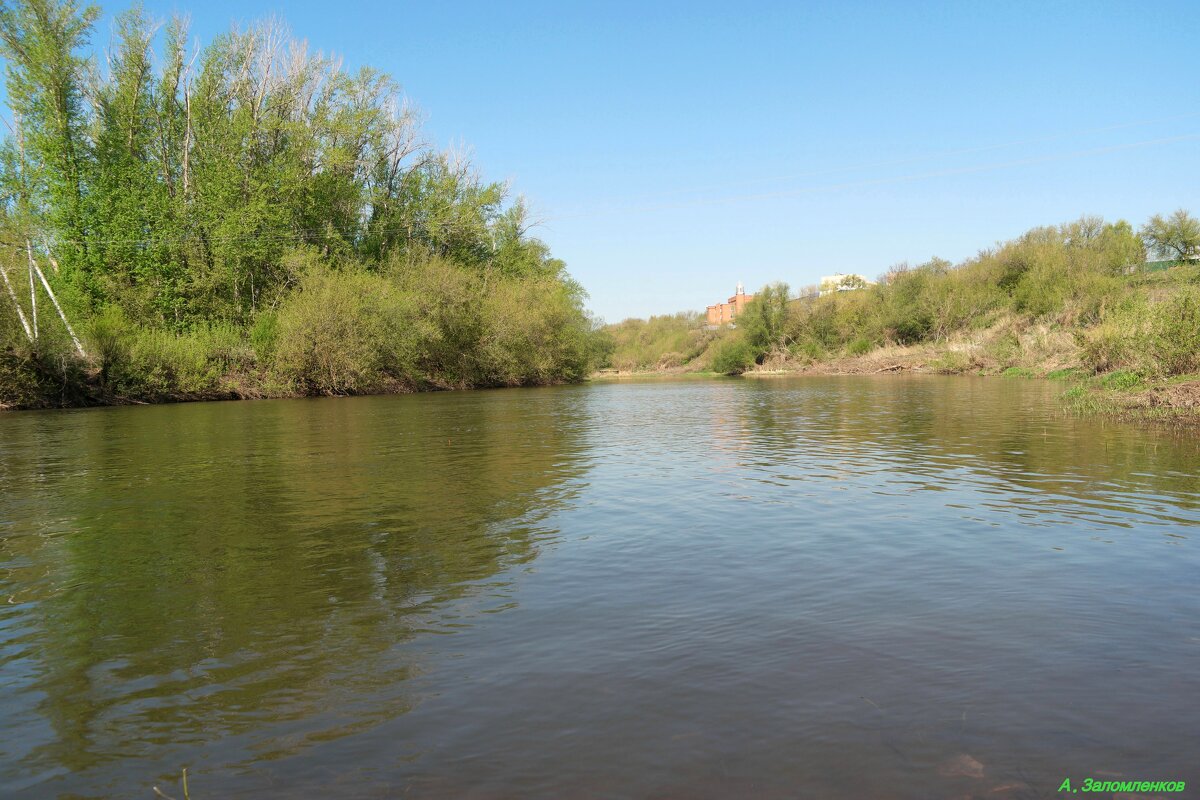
{"x": 342, "y": 333}
{"x": 860, "y": 346}
{"x": 110, "y": 334}
{"x": 163, "y": 364}
{"x": 733, "y": 356}
{"x": 1154, "y": 337}
{"x": 47, "y": 373}
{"x": 763, "y": 324}
{"x": 641, "y": 344}
{"x": 264, "y": 334}
{"x": 533, "y": 332}
{"x": 430, "y": 325}
{"x": 807, "y": 349}
{"x": 155, "y": 363}
{"x": 1172, "y": 335}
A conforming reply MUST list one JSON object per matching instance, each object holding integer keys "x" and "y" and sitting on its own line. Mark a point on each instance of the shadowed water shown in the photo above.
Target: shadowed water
{"x": 810, "y": 587}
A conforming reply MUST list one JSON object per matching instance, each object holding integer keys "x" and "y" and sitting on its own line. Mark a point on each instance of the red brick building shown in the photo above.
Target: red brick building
{"x": 724, "y": 313}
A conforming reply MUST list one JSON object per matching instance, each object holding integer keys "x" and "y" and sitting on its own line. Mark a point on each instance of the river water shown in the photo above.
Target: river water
{"x": 892, "y": 587}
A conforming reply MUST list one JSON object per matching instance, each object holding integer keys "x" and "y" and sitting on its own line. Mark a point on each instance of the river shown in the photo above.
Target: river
{"x": 859, "y": 587}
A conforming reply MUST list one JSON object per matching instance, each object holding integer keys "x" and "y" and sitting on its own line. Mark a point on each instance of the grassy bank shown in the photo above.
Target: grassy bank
{"x": 1075, "y": 302}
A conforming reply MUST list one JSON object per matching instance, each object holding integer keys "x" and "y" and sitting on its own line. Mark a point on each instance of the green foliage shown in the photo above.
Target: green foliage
{"x": 433, "y": 325}
{"x": 534, "y": 332}
{"x": 1018, "y": 372}
{"x": 163, "y": 364}
{"x": 341, "y": 333}
{"x": 906, "y": 305}
{"x": 255, "y": 213}
{"x": 1152, "y": 335}
{"x": 1122, "y": 379}
{"x": 601, "y": 344}
{"x": 1172, "y": 334}
{"x": 860, "y": 346}
{"x": 146, "y": 362}
{"x": 732, "y": 356}
{"x": 658, "y": 342}
{"x": 110, "y": 336}
{"x": 1071, "y": 276}
{"x": 1176, "y": 236}
{"x": 764, "y": 321}
{"x": 40, "y": 374}
{"x": 808, "y": 350}
{"x": 44, "y": 82}
{"x": 264, "y": 334}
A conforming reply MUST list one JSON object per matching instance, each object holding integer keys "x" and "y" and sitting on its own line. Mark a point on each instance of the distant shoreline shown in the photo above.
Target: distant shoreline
{"x": 233, "y": 395}
{"x": 1175, "y": 401}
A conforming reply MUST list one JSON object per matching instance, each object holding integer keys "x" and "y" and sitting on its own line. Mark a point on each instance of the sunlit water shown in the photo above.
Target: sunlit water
{"x": 812, "y": 587}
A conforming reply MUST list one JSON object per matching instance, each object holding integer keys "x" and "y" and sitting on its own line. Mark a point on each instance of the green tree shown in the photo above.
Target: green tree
{"x": 44, "y": 78}
{"x": 251, "y": 186}
{"x": 764, "y": 322}
{"x": 1120, "y": 246}
{"x": 1175, "y": 237}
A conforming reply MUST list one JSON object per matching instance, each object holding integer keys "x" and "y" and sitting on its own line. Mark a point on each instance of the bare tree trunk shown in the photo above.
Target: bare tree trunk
{"x": 32, "y": 292}
{"x": 16, "y": 303}
{"x": 53, "y": 299}
{"x": 187, "y": 138}
{"x": 187, "y": 125}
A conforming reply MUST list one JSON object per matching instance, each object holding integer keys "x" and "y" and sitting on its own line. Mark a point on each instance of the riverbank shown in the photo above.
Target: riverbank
{"x": 1052, "y": 355}
{"x": 1120, "y": 393}
{"x": 1077, "y": 302}
{"x": 89, "y": 392}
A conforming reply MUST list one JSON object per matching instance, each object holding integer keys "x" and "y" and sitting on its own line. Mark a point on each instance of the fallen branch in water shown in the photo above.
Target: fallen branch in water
{"x": 165, "y": 796}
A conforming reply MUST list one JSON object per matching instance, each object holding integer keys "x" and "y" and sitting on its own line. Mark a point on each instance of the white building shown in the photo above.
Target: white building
{"x": 843, "y": 283}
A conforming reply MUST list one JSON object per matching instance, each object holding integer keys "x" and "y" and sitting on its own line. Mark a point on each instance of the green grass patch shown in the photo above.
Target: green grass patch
{"x": 1121, "y": 380}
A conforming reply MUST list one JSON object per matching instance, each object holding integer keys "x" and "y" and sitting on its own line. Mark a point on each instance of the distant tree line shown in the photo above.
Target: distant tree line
{"x": 1086, "y": 276}
{"x": 1078, "y": 295}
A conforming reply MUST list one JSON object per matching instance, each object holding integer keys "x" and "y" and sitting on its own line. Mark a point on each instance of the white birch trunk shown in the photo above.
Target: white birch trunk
{"x": 54, "y": 300}
{"x": 16, "y": 303}
{"x": 32, "y": 291}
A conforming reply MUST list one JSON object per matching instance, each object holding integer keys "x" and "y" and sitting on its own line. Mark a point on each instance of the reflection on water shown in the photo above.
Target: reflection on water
{"x": 895, "y": 587}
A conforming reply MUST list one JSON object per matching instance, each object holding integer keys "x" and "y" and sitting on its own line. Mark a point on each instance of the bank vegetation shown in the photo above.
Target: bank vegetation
{"x": 1077, "y": 302}
{"x": 249, "y": 218}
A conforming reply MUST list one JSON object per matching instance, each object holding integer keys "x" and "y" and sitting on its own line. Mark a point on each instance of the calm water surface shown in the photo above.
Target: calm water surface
{"x": 811, "y": 587}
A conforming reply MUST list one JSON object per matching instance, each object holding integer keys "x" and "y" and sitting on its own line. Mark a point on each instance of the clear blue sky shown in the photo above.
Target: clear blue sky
{"x": 676, "y": 148}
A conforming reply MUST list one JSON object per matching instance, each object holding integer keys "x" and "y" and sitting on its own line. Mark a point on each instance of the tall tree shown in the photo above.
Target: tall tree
{"x": 1175, "y": 237}
{"x": 45, "y": 73}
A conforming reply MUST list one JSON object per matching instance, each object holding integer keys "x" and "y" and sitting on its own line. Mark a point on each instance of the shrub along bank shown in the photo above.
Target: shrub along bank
{"x": 342, "y": 329}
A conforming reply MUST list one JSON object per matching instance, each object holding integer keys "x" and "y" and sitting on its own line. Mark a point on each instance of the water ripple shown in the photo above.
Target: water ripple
{"x": 894, "y": 587}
